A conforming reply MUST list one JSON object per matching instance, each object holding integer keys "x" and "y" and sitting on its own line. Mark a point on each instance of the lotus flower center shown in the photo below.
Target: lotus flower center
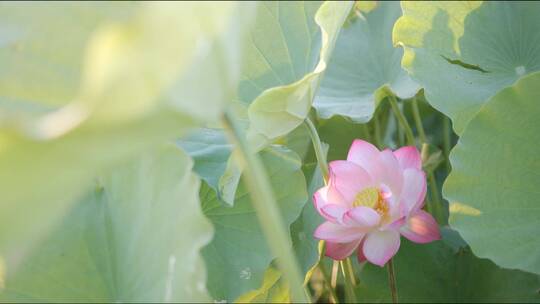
{"x": 372, "y": 198}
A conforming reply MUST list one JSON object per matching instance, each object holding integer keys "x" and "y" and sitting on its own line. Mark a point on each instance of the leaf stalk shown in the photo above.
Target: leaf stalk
{"x": 264, "y": 202}
{"x": 392, "y": 281}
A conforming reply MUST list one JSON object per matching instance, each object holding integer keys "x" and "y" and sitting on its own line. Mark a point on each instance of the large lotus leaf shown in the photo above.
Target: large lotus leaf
{"x": 435, "y": 273}
{"x": 40, "y": 73}
{"x": 283, "y": 46}
{"x": 135, "y": 237}
{"x": 364, "y": 61}
{"x": 42, "y": 47}
{"x": 291, "y": 43}
{"x": 121, "y": 58}
{"x": 55, "y": 150}
{"x": 463, "y": 53}
{"x": 239, "y": 255}
{"x": 493, "y": 186}
{"x": 40, "y": 179}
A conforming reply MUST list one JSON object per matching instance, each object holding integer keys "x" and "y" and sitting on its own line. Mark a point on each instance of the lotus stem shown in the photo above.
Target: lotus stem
{"x": 264, "y": 202}
{"x": 392, "y": 281}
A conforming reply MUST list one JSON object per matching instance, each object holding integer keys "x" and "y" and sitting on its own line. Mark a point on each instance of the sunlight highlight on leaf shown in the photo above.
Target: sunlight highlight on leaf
{"x": 463, "y": 209}
{"x": 493, "y": 44}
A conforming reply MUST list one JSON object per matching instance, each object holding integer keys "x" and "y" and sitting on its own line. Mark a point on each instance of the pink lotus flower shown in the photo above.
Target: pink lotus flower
{"x": 371, "y": 199}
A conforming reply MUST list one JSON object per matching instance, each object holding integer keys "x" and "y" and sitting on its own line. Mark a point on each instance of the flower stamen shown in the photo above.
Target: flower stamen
{"x": 373, "y": 198}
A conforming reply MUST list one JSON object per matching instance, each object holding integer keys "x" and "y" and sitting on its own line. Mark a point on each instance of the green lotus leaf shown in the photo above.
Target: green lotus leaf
{"x": 127, "y": 60}
{"x": 38, "y": 67}
{"x": 435, "y": 272}
{"x": 68, "y": 112}
{"x": 135, "y": 237}
{"x": 463, "y": 53}
{"x": 364, "y": 65}
{"x": 291, "y": 43}
{"x": 238, "y": 256}
{"x": 493, "y": 186}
